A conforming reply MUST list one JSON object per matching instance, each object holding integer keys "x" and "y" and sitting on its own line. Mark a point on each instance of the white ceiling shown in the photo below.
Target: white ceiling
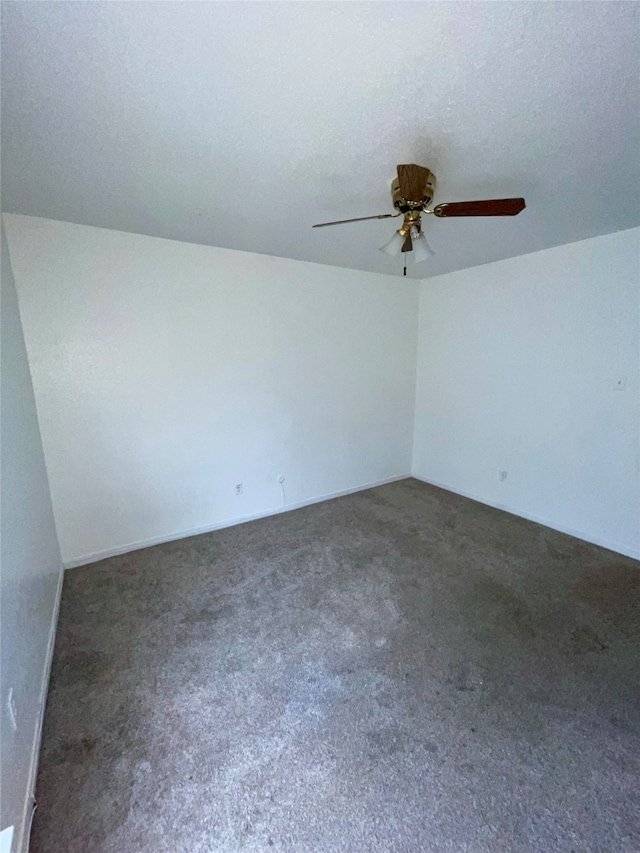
{"x": 242, "y": 124}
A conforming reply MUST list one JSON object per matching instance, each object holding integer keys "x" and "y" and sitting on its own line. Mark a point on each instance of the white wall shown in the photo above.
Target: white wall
{"x": 518, "y": 363}
{"x": 167, "y": 372}
{"x": 30, "y": 569}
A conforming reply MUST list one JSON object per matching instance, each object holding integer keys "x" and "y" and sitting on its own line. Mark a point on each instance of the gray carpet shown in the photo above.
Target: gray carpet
{"x": 400, "y": 670}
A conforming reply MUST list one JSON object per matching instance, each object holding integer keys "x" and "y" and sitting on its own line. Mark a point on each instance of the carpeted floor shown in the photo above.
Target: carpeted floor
{"x": 398, "y": 671}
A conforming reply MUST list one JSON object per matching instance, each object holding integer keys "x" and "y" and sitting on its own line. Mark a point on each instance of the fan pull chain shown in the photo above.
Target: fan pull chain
{"x": 405, "y": 267}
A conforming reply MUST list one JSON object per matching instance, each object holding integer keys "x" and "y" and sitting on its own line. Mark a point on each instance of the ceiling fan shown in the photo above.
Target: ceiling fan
{"x": 412, "y": 193}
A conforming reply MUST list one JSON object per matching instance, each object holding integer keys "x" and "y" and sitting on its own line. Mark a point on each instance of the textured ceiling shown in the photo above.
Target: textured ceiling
{"x": 242, "y": 124}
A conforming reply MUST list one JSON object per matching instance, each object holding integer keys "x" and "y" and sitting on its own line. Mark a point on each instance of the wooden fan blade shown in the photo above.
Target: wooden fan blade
{"x": 492, "y": 207}
{"x": 407, "y": 246}
{"x": 413, "y": 181}
{"x": 359, "y": 219}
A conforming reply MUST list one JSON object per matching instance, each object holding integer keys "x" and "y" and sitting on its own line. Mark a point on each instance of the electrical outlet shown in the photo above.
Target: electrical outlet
{"x": 239, "y": 488}
{"x": 11, "y": 710}
{"x": 281, "y": 478}
{"x": 502, "y": 476}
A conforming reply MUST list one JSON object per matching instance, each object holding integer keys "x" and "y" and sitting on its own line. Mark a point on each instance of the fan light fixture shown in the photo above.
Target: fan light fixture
{"x": 422, "y": 251}
{"x": 394, "y": 246}
{"x": 411, "y": 193}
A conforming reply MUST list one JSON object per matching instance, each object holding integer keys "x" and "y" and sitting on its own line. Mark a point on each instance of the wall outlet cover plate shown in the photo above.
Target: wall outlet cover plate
{"x": 6, "y": 837}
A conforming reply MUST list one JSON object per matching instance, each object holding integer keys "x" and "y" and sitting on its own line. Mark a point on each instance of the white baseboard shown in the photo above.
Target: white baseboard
{"x": 25, "y": 828}
{"x": 219, "y": 525}
{"x": 578, "y": 534}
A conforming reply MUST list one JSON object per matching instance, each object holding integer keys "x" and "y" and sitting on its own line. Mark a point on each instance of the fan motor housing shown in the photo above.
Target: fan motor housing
{"x": 404, "y": 205}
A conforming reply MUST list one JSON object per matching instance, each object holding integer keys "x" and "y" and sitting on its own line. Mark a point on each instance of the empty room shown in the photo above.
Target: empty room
{"x": 320, "y": 427}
